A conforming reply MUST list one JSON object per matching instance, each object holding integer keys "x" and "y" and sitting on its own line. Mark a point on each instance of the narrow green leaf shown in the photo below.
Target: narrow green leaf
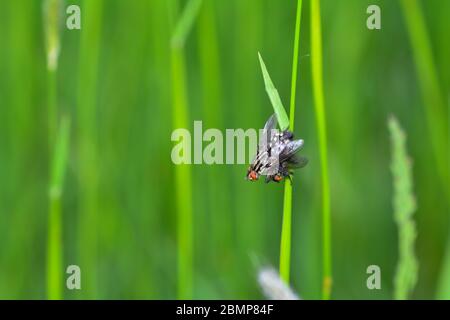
{"x": 277, "y": 105}
{"x": 444, "y": 278}
{"x": 319, "y": 105}
{"x": 428, "y": 80}
{"x": 185, "y": 23}
{"x": 183, "y": 173}
{"x": 88, "y": 162}
{"x": 286, "y": 228}
{"x": 60, "y": 156}
{"x": 52, "y": 20}
{"x": 54, "y": 237}
{"x": 298, "y": 20}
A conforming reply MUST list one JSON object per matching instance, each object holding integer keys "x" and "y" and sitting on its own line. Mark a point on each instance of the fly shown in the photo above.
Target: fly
{"x": 276, "y": 154}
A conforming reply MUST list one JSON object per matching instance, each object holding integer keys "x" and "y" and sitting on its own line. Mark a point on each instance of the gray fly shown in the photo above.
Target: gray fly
{"x": 276, "y": 154}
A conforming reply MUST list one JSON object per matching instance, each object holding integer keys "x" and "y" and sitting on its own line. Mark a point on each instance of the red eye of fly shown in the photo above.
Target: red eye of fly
{"x": 252, "y": 175}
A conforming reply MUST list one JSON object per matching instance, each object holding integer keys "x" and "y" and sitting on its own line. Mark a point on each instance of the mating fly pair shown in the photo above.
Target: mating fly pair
{"x": 276, "y": 154}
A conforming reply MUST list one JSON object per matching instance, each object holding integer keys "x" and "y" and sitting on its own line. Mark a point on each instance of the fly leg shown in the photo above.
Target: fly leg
{"x": 275, "y": 178}
{"x": 284, "y": 172}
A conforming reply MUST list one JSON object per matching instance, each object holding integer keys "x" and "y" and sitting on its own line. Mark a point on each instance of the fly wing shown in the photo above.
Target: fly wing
{"x": 268, "y": 132}
{"x": 296, "y": 162}
{"x": 290, "y": 149}
{"x": 266, "y": 161}
{"x": 271, "y": 123}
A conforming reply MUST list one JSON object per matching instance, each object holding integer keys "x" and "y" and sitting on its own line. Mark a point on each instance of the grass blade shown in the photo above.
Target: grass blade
{"x": 319, "y": 103}
{"x": 444, "y": 278}
{"x": 434, "y": 107}
{"x": 404, "y": 207}
{"x": 295, "y": 64}
{"x": 59, "y": 162}
{"x": 277, "y": 105}
{"x": 52, "y": 18}
{"x": 54, "y": 240}
{"x": 183, "y": 174}
{"x": 185, "y": 22}
{"x": 285, "y": 244}
{"x": 87, "y": 140}
{"x": 213, "y": 117}
{"x": 286, "y": 229}
{"x": 284, "y": 123}
{"x": 183, "y": 183}
{"x": 433, "y": 101}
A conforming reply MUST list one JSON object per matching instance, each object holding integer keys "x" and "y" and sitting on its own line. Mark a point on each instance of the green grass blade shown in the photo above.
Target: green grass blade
{"x": 286, "y": 229}
{"x": 444, "y": 278}
{"x": 213, "y": 116}
{"x": 52, "y": 19}
{"x": 319, "y": 103}
{"x": 183, "y": 174}
{"x": 183, "y": 183}
{"x": 277, "y": 105}
{"x": 185, "y": 23}
{"x": 404, "y": 207}
{"x": 54, "y": 240}
{"x": 52, "y": 107}
{"x": 427, "y": 77}
{"x": 295, "y": 64}
{"x": 433, "y": 104}
{"x": 52, "y": 10}
{"x": 59, "y": 162}
{"x": 87, "y": 140}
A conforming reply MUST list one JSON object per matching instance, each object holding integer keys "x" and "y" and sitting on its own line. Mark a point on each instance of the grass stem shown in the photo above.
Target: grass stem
{"x": 433, "y": 104}
{"x": 183, "y": 182}
{"x": 183, "y": 175}
{"x": 319, "y": 103}
{"x": 54, "y": 254}
{"x": 443, "y": 291}
{"x": 51, "y": 19}
{"x": 87, "y": 132}
{"x": 286, "y": 229}
{"x": 433, "y": 101}
{"x": 54, "y": 240}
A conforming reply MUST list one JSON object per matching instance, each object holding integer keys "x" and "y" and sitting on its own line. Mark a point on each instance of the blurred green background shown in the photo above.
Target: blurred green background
{"x": 119, "y": 200}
